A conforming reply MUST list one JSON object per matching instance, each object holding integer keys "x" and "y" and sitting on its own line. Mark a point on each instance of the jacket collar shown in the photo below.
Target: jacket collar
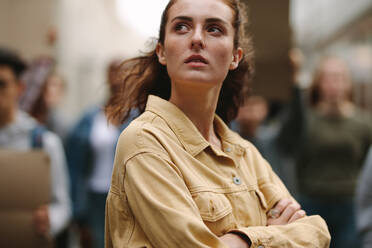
{"x": 186, "y": 131}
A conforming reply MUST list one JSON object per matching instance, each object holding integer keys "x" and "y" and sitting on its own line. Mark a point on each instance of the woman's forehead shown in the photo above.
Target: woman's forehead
{"x": 334, "y": 66}
{"x": 204, "y": 9}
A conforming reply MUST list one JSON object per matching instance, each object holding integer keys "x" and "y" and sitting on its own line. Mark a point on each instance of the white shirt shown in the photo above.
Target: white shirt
{"x": 103, "y": 139}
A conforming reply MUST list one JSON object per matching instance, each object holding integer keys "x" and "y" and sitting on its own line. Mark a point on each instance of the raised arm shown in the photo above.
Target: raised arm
{"x": 293, "y": 126}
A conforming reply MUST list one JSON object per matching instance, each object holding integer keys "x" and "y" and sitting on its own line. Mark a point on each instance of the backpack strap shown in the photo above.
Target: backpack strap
{"x": 37, "y": 136}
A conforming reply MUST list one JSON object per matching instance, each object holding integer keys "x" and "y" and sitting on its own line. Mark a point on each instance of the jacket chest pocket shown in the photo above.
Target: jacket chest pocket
{"x": 249, "y": 207}
{"x": 216, "y": 212}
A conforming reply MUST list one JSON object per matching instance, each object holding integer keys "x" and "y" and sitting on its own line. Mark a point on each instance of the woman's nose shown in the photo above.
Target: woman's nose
{"x": 197, "y": 40}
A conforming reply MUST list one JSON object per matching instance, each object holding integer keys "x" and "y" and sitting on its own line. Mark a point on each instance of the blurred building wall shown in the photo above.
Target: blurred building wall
{"x": 269, "y": 26}
{"x": 90, "y": 35}
{"x": 317, "y": 21}
{"x": 24, "y": 25}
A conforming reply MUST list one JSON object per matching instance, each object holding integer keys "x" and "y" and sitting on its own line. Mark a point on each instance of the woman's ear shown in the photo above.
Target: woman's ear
{"x": 236, "y": 58}
{"x": 160, "y": 53}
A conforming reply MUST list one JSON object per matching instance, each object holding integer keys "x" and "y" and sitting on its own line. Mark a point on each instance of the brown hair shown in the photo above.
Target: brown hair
{"x": 12, "y": 60}
{"x": 144, "y": 75}
{"x": 35, "y": 78}
{"x": 314, "y": 90}
{"x": 39, "y": 109}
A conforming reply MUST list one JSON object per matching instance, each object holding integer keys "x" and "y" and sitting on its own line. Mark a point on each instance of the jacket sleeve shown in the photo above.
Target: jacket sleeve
{"x": 79, "y": 160}
{"x": 162, "y": 204}
{"x": 309, "y": 231}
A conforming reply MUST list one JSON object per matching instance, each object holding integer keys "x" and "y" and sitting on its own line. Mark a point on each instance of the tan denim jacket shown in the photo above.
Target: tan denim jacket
{"x": 172, "y": 188}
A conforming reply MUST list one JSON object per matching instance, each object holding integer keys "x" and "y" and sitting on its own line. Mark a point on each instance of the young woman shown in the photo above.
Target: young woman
{"x": 45, "y": 89}
{"x": 181, "y": 178}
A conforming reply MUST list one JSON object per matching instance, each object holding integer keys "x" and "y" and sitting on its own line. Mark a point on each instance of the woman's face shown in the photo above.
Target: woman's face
{"x": 54, "y": 91}
{"x": 199, "y": 43}
{"x": 334, "y": 82}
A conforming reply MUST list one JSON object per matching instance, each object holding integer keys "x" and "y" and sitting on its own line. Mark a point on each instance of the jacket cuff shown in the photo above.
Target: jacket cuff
{"x": 256, "y": 240}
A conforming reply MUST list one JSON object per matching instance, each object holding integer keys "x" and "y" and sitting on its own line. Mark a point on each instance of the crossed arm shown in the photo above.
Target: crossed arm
{"x": 174, "y": 210}
{"x": 284, "y": 212}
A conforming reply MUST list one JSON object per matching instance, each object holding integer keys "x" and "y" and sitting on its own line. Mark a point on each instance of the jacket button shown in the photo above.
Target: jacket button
{"x": 228, "y": 149}
{"x": 237, "y": 180}
{"x": 260, "y": 246}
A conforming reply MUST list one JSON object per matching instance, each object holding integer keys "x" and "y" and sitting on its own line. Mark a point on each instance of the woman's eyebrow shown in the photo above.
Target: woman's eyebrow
{"x": 208, "y": 20}
{"x": 216, "y": 20}
{"x": 184, "y": 18}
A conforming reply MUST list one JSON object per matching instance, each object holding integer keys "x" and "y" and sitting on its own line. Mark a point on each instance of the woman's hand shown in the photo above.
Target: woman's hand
{"x": 41, "y": 220}
{"x": 232, "y": 240}
{"x": 284, "y": 212}
{"x": 296, "y": 59}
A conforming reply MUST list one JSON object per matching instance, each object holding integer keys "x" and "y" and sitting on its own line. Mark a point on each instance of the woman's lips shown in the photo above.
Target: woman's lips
{"x": 197, "y": 59}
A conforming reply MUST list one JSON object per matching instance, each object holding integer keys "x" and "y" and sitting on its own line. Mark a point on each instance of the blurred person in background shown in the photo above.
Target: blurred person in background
{"x": 45, "y": 89}
{"x": 330, "y": 137}
{"x": 20, "y": 131}
{"x": 261, "y": 123}
{"x": 250, "y": 119}
{"x": 90, "y": 152}
{"x": 254, "y": 125}
{"x": 364, "y": 203}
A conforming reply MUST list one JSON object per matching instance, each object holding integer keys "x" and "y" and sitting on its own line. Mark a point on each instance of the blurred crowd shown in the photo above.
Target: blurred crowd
{"x": 318, "y": 143}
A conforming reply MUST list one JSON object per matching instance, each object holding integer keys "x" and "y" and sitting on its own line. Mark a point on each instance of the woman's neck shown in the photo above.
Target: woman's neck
{"x": 340, "y": 108}
{"x": 200, "y": 108}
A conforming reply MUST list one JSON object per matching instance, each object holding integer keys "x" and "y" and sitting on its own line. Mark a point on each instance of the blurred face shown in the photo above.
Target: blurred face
{"x": 334, "y": 81}
{"x": 9, "y": 91}
{"x": 54, "y": 91}
{"x": 253, "y": 112}
{"x": 199, "y": 43}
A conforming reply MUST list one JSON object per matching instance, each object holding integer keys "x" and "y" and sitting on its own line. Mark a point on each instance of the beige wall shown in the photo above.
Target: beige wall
{"x": 24, "y": 25}
{"x": 90, "y": 35}
{"x": 269, "y": 27}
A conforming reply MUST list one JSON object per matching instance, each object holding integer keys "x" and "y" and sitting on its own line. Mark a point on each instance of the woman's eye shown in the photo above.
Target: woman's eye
{"x": 181, "y": 27}
{"x": 215, "y": 29}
